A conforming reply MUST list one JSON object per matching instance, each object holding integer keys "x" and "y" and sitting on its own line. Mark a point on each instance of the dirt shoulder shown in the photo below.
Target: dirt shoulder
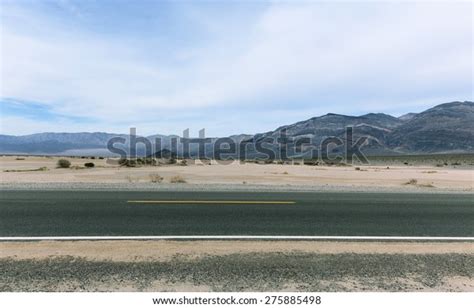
{"x": 165, "y": 250}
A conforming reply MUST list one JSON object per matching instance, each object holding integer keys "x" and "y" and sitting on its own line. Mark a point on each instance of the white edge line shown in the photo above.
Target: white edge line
{"x": 234, "y": 237}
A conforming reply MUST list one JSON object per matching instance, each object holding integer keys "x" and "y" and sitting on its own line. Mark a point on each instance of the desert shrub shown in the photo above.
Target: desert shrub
{"x": 63, "y": 163}
{"x": 172, "y": 161}
{"x": 412, "y": 182}
{"x": 92, "y": 157}
{"x": 27, "y": 170}
{"x": 101, "y": 157}
{"x": 183, "y": 162}
{"x": 149, "y": 161}
{"x": 357, "y": 168}
{"x": 428, "y": 185}
{"x": 127, "y": 162}
{"x": 155, "y": 178}
{"x": 132, "y": 163}
{"x": 177, "y": 179}
{"x": 285, "y": 172}
{"x": 89, "y": 165}
{"x": 20, "y": 158}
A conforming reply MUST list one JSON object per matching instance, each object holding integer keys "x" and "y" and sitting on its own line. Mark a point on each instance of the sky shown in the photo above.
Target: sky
{"x": 230, "y": 67}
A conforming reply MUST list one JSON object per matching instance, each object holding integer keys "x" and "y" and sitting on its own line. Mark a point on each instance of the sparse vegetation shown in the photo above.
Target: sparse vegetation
{"x": 141, "y": 161}
{"x": 27, "y": 170}
{"x": 427, "y": 185}
{"x": 77, "y": 167}
{"x": 177, "y": 179}
{"x": 89, "y": 165}
{"x": 155, "y": 178}
{"x": 63, "y": 163}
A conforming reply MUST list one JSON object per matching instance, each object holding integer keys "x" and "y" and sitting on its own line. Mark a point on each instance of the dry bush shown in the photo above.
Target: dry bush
{"x": 155, "y": 178}
{"x": 77, "y": 167}
{"x": 64, "y": 163}
{"x": 177, "y": 179}
{"x": 27, "y": 170}
{"x": 412, "y": 182}
{"x": 428, "y": 185}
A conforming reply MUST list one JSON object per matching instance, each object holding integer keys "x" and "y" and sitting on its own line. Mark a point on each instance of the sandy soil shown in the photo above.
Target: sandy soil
{"x": 166, "y": 250}
{"x": 428, "y": 177}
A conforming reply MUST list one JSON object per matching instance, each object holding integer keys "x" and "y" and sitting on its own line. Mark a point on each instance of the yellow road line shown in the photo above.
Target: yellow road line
{"x": 208, "y": 202}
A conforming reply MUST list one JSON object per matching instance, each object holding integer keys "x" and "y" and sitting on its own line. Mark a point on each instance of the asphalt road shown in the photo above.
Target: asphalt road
{"x": 76, "y": 213}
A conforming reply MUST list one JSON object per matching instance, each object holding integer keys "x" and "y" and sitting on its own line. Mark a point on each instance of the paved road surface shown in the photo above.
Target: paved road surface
{"x": 75, "y": 213}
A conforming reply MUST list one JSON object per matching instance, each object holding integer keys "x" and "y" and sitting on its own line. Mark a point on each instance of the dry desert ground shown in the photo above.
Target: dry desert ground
{"x": 30, "y": 170}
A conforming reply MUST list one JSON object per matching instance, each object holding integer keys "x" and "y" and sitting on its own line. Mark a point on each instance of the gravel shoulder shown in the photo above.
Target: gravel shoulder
{"x": 246, "y": 272}
{"x": 191, "y": 266}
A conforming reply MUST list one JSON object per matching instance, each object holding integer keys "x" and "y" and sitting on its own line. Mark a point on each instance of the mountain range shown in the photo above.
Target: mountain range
{"x": 446, "y": 128}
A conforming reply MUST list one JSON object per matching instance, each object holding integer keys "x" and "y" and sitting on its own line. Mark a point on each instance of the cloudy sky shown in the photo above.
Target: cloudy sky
{"x": 238, "y": 67}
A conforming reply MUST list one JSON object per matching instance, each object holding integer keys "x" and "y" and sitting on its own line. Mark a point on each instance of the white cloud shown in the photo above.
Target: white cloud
{"x": 295, "y": 52}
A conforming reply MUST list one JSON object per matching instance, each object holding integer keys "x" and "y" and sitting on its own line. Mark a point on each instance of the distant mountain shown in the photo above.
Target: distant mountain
{"x": 53, "y": 143}
{"x": 445, "y": 128}
{"x": 407, "y": 116}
